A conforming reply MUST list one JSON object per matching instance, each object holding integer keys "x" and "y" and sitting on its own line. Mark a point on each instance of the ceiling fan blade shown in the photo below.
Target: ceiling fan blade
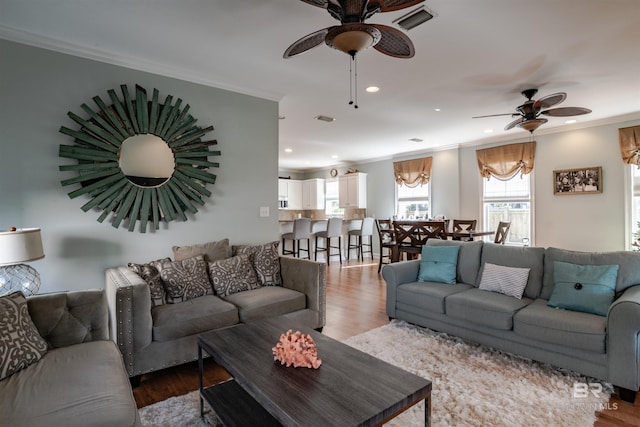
{"x": 514, "y": 123}
{"x": 495, "y": 115}
{"x": 391, "y": 5}
{"x": 305, "y": 43}
{"x": 549, "y": 100}
{"x": 319, "y": 3}
{"x": 394, "y": 42}
{"x": 566, "y": 111}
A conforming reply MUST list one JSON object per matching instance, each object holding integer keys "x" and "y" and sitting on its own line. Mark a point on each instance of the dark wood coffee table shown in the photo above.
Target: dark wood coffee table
{"x": 351, "y": 388}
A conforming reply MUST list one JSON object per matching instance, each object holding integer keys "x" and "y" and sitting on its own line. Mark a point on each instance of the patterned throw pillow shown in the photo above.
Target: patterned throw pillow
{"x": 265, "y": 260}
{"x": 509, "y": 281}
{"x": 186, "y": 279}
{"x": 212, "y": 251}
{"x": 20, "y": 343}
{"x": 232, "y": 275}
{"x": 150, "y": 272}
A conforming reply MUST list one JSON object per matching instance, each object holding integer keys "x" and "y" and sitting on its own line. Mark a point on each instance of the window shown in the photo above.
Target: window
{"x": 331, "y": 199}
{"x": 635, "y": 203}
{"x": 413, "y": 203}
{"x": 509, "y": 200}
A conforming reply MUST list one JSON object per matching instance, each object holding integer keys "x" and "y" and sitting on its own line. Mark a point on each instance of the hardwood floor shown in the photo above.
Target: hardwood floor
{"x": 356, "y": 297}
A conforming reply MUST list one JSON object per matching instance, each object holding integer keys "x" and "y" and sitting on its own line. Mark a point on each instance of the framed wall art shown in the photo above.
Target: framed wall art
{"x": 587, "y": 180}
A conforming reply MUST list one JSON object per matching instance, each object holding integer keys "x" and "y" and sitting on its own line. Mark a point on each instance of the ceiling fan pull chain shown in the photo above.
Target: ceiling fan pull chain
{"x": 355, "y": 89}
{"x": 350, "y": 80}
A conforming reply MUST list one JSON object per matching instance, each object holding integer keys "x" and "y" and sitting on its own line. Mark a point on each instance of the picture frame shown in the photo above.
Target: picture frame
{"x": 585, "y": 180}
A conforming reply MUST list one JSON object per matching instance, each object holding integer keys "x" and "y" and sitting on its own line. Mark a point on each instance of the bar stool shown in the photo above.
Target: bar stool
{"x": 365, "y": 230}
{"x": 334, "y": 229}
{"x": 301, "y": 231}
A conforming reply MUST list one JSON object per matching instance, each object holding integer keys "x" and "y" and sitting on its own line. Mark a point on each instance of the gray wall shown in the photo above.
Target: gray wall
{"x": 38, "y": 88}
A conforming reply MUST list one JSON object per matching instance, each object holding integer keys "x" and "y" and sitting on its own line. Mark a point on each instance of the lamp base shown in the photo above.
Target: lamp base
{"x": 19, "y": 277}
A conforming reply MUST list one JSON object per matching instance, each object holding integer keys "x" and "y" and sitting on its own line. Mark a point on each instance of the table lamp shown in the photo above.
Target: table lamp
{"x": 16, "y": 247}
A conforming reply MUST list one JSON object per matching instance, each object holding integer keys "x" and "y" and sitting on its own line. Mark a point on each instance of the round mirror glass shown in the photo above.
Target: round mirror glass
{"x": 146, "y": 160}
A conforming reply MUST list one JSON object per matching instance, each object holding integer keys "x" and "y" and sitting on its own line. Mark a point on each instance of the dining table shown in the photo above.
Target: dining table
{"x": 470, "y": 234}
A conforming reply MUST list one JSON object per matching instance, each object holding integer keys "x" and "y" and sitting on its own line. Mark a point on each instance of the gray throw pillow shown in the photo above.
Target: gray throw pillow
{"x": 212, "y": 251}
{"x": 509, "y": 281}
{"x": 20, "y": 342}
{"x": 232, "y": 275}
{"x": 185, "y": 279}
{"x": 150, "y": 273}
{"x": 265, "y": 260}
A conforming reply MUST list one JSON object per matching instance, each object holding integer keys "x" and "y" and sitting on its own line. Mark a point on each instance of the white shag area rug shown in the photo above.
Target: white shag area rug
{"x": 472, "y": 385}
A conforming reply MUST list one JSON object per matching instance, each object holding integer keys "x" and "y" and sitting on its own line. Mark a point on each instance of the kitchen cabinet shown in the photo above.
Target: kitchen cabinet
{"x": 313, "y": 194}
{"x": 352, "y": 190}
{"x": 290, "y": 190}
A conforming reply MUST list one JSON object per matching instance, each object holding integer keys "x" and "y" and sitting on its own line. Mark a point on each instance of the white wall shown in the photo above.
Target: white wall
{"x": 38, "y": 88}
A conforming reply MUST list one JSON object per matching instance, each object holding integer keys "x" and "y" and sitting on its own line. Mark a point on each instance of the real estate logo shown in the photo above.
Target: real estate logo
{"x": 586, "y": 390}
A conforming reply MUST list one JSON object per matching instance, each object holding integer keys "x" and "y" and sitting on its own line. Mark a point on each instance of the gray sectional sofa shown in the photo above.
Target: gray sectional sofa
{"x": 80, "y": 380}
{"x": 606, "y": 347}
{"x": 156, "y": 337}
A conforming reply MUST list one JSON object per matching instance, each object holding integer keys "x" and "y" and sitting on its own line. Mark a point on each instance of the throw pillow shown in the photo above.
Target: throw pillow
{"x": 438, "y": 264}
{"x": 586, "y": 288}
{"x": 265, "y": 260}
{"x": 185, "y": 279}
{"x": 232, "y": 275}
{"x": 509, "y": 281}
{"x": 211, "y": 251}
{"x": 150, "y": 273}
{"x": 20, "y": 343}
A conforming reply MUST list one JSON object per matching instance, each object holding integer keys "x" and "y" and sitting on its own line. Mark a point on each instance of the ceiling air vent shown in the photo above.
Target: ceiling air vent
{"x": 324, "y": 118}
{"x": 414, "y": 18}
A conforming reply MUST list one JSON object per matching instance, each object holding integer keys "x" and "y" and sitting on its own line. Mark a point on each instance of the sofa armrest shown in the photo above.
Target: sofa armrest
{"x": 308, "y": 277}
{"x": 68, "y": 318}
{"x": 129, "y": 301}
{"x": 396, "y": 274}
{"x": 623, "y": 339}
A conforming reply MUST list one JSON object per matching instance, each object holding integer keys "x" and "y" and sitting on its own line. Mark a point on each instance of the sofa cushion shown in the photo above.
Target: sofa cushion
{"x": 150, "y": 273}
{"x": 267, "y": 301}
{"x": 587, "y": 288}
{"x": 232, "y": 275}
{"x": 185, "y": 279}
{"x": 75, "y": 386}
{"x": 468, "y": 258}
{"x": 265, "y": 260}
{"x": 20, "y": 343}
{"x": 628, "y": 272}
{"x": 429, "y": 296}
{"x": 211, "y": 251}
{"x": 566, "y": 328}
{"x": 171, "y": 321}
{"x": 485, "y": 308}
{"x": 438, "y": 264}
{"x": 518, "y": 256}
{"x": 509, "y": 281}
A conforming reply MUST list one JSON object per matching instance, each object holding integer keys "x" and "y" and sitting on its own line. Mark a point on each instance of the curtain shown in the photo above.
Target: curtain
{"x": 630, "y": 145}
{"x": 505, "y": 161}
{"x": 413, "y": 173}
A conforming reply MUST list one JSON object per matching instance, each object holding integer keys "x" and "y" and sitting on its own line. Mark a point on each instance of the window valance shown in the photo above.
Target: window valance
{"x": 413, "y": 173}
{"x": 630, "y": 145}
{"x": 505, "y": 161}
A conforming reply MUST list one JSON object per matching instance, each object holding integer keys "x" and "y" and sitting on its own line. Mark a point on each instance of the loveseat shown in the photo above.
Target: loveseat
{"x": 70, "y": 374}
{"x": 564, "y": 321}
{"x": 153, "y": 334}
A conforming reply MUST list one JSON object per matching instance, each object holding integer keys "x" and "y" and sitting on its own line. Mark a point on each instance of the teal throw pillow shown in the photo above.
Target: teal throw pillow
{"x": 586, "y": 288}
{"x": 438, "y": 264}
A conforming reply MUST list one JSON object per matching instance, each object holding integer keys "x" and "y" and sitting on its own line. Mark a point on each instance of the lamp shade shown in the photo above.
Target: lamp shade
{"x": 21, "y": 245}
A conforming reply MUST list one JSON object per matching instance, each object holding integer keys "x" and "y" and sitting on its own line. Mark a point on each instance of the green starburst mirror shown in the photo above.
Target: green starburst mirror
{"x": 139, "y": 160}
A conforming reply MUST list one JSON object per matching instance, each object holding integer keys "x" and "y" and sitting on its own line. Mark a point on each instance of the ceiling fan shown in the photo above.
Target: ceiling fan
{"x": 529, "y": 113}
{"x": 353, "y": 35}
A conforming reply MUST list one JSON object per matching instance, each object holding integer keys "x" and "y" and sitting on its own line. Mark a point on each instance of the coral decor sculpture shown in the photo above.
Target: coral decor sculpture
{"x": 297, "y": 349}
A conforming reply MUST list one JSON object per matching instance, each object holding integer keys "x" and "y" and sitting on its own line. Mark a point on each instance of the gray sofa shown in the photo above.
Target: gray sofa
{"x": 154, "y": 338}
{"x": 602, "y": 347}
{"x": 80, "y": 380}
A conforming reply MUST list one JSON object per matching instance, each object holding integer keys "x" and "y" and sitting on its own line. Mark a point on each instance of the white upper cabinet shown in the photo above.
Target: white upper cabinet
{"x": 353, "y": 191}
{"x": 313, "y": 194}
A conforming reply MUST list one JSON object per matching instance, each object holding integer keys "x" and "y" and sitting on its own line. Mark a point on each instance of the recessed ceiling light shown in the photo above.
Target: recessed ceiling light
{"x": 416, "y": 140}
{"x": 570, "y": 121}
{"x": 437, "y": 109}
{"x": 372, "y": 89}
{"x": 335, "y": 156}
{"x": 288, "y": 150}
{"x": 324, "y": 118}
{"x": 488, "y": 130}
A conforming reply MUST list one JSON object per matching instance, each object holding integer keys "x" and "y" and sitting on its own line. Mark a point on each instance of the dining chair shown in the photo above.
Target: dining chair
{"x": 365, "y": 230}
{"x": 301, "y": 231}
{"x": 412, "y": 235}
{"x": 333, "y": 230}
{"x": 502, "y": 232}
{"x": 386, "y": 237}
{"x": 463, "y": 225}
